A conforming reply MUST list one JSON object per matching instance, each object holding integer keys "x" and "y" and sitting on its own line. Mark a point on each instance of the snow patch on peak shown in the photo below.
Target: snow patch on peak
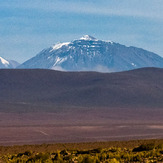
{"x": 59, "y": 45}
{"x": 133, "y": 64}
{"x": 5, "y": 62}
{"x": 88, "y": 38}
{"x": 59, "y": 60}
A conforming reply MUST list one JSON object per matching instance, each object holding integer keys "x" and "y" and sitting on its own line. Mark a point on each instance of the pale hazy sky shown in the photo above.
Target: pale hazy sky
{"x": 28, "y": 26}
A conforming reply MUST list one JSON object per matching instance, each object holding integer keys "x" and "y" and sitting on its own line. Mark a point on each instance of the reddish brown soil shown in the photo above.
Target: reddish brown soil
{"x": 80, "y": 126}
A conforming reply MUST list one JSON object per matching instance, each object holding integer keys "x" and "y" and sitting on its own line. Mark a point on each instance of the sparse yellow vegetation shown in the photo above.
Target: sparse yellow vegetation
{"x": 148, "y": 152}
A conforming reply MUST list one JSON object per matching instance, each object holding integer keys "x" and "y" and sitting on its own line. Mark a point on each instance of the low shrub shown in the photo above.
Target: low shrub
{"x": 144, "y": 147}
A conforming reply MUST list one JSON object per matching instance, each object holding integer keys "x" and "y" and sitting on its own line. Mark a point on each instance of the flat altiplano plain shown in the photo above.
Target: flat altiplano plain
{"x": 88, "y": 125}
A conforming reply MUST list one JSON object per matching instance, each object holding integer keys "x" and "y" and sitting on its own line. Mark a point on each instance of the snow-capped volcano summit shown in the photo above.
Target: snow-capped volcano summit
{"x": 88, "y": 38}
{"x": 8, "y": 63}
{"x": 91, "y": 54}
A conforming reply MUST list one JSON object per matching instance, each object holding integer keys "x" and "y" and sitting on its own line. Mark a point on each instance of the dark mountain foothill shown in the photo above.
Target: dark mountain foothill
{"x": 132, "y": 89}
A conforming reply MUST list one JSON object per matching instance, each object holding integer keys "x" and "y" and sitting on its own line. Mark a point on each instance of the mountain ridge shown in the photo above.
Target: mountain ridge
{"x": 91, "y": 54}
{"x": 8, "y": 63}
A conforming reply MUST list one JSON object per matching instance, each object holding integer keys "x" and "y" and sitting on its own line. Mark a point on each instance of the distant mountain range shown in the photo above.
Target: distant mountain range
{"x": 8, "y": 63}
{"x": 91, "y": 54}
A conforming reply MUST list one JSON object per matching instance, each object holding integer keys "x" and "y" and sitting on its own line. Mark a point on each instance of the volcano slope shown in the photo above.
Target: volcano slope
{"x": 44, "y": 106}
